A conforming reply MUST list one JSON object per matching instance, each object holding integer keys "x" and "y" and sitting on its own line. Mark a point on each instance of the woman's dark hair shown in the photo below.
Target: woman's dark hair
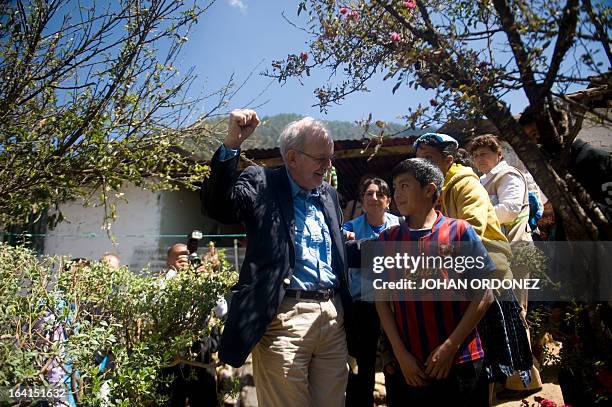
{"x": 462, "y": 157}
{"x": 489, "y": 141}
{"x": 383, "y": 187}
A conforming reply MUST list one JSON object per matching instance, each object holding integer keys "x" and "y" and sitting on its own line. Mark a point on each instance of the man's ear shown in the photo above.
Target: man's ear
{"x": 448, "y": 160}
{"x": 290, "y": 158}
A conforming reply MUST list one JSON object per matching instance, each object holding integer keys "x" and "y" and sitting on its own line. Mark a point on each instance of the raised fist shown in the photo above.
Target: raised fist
{"x": 242, "y": 123}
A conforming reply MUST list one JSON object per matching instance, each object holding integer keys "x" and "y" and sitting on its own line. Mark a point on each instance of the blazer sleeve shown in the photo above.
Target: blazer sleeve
{"x": 229, "y": 198}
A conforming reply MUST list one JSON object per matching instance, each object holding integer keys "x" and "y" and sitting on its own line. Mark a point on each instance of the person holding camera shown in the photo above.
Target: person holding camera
{"x": 190, "y": 382}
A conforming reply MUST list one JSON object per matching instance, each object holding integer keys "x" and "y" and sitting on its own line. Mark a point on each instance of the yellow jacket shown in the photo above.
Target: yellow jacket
{"x": 464, "y": 197}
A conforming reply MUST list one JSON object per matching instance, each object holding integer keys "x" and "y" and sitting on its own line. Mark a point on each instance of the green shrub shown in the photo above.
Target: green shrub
{"x": 145, "y": 322}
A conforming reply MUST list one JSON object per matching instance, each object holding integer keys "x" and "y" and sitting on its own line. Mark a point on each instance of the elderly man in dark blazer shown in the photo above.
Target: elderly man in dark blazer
{"x": 291, "y": 306}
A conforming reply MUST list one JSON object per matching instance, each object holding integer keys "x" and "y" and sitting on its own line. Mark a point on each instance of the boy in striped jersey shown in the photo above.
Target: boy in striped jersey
{"x": 435, "y": 341}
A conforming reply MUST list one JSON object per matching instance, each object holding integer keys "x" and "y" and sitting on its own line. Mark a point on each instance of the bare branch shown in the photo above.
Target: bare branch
{"x": 600, "y": 31}
{"x": 567, "y": 30}
{"x": 521, "y": 57}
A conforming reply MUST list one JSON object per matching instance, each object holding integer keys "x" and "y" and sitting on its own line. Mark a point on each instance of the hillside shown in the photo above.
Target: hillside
{"x": 266, "y": 135}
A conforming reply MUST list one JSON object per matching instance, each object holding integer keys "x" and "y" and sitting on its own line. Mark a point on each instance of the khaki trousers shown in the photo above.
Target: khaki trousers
{"x": 301, "y": 361}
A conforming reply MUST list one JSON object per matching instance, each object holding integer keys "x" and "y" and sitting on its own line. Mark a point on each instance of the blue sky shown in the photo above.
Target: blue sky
{"x": 239, "y": 36}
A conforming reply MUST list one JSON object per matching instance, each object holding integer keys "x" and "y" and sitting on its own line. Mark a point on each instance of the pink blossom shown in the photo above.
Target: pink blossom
{"x": 354, "y": 15}
{"x": 410, "y": 4}
{"x": 304, "y": 56}
{"x": 395, "y": 37}
{"x": 548, "y": 403}
{"x": 344, "y": 10}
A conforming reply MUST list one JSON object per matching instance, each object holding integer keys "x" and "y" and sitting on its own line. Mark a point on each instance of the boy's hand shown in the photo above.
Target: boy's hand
{"x": 440, "y": 361}
{"x": 411, "y": 368}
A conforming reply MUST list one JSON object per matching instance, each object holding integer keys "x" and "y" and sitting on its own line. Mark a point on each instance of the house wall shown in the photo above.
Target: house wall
{"x": 145, "y": 226}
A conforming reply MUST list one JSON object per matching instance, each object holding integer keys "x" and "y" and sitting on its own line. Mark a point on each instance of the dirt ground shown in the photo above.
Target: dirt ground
{"x": 550, "y": 387}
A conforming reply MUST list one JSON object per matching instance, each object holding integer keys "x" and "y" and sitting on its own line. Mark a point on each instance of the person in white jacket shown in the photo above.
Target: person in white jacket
{"x": 506, "y": 186}
{"x": 509, "y": 193}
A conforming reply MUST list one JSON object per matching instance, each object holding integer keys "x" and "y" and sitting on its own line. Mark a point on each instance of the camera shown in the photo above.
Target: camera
{"x": 193, "y": 240}
{"x": 194, "y": 260}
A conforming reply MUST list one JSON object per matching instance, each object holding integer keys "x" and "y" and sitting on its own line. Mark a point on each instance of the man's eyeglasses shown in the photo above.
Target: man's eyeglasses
{"x": 318, "y": 160}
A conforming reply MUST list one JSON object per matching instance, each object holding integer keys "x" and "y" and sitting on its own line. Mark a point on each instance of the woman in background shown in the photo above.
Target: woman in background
{"x": 375, "y": 197}
{"x": 509, "y": 194}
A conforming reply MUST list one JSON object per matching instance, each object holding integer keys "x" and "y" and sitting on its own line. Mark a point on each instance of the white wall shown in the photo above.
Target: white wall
{"x": 145, "y": 227}
{"x": 136, "y": 230}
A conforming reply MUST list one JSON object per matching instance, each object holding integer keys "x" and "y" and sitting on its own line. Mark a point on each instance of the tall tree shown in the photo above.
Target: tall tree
{"x": 90, "y": 97}
{"x": 470, "y": 55}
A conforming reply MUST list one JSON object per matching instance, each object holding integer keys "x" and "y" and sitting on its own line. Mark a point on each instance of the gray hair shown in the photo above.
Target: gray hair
{"x": 423, "y": 171}
{"x": 297, "y": 134}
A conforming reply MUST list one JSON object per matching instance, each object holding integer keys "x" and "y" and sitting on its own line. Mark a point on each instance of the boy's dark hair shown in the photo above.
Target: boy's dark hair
{"x": 383, "y": 187}
{"x": 423, "y": 171}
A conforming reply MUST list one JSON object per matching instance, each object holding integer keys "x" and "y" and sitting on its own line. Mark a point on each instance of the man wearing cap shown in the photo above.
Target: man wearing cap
{"x": 463, "y": 197}
{"x": 291, "y": 306}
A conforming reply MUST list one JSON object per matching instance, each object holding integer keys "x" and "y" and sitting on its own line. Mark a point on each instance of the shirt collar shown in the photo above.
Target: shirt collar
{"x": 500, "y": 166}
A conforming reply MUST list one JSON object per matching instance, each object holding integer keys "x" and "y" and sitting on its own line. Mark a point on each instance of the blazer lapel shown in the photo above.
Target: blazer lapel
{"x": 331, "y": 218}
{"x": 285, "y": 201}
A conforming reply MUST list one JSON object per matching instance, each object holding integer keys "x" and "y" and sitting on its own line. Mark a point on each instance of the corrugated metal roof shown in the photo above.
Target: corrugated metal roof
{"x": 355, "y": 159}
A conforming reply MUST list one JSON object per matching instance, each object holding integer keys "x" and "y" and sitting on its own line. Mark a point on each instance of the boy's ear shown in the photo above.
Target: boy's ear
{"x": 430, "y": 190}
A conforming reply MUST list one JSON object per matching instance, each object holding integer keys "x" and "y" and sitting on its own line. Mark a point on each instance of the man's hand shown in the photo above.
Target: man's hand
{"x": 350, "y": 235}
{"x": 242, "y": 123}
{"x": 411, "y": 368}
{"x": 181, "y": 262}
{"x": 441, "y": 360}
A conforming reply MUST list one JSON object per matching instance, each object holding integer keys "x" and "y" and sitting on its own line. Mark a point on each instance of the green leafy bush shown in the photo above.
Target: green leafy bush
{"x": 144, "y": 322}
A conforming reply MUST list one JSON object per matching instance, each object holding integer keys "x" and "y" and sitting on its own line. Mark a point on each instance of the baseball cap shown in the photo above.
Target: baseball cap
{"x": 435, "y": 138}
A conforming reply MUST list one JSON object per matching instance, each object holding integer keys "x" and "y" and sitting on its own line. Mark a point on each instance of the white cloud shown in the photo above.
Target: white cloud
{"x": 239, "y": 4}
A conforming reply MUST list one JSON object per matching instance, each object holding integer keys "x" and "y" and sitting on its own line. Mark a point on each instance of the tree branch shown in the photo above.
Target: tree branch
{"x": 600, "y": 32}
{"x": 565, "y": 38}
{"x": 521, "y": 57}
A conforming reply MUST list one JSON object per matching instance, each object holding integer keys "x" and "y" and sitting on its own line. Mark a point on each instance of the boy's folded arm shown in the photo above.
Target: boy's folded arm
{"x": 442, "y": 357}
{"x": 472, "y": 316}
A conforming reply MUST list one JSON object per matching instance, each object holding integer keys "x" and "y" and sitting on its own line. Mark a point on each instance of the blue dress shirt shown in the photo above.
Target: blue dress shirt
{"x": 313, "y": 258}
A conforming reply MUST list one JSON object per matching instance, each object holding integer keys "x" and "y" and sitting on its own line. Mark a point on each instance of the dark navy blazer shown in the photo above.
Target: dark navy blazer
{"x": 261, "y": 199}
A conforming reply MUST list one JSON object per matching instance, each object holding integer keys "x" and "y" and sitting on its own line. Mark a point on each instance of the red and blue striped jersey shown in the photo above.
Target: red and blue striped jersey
{"x": 426, "y": 323}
